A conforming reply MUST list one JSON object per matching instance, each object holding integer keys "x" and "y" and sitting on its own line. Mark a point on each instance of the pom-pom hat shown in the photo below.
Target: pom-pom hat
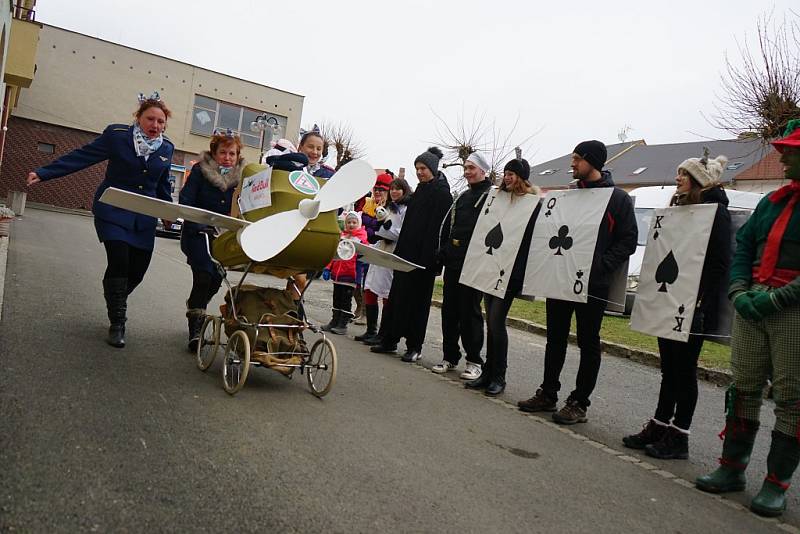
{"x": 430, "y": 158}
{"x": 705, "y": 172}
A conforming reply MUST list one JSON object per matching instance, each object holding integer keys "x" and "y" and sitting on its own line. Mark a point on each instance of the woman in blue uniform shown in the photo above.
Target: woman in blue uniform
{"x": 210, "y": 186}
{"x": 139, "y": 159}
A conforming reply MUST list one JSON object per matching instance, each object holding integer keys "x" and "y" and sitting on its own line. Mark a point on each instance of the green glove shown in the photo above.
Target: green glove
{"x": 744, "y": 306}
{"x": 763, "y": 302}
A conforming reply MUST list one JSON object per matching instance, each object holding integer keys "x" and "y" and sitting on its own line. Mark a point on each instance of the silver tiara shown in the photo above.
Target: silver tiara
{"x": 227, "y": 132}
{"x": 153, "y": 96}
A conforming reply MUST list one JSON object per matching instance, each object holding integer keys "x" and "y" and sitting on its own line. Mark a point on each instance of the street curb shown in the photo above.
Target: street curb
{"x": 58, "y": 209}
{"x": 3, "y": 262}
{"x": 714, "y": 376}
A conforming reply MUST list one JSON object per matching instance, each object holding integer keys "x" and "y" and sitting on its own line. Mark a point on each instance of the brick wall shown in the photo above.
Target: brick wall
{"x": 22, "y": 156}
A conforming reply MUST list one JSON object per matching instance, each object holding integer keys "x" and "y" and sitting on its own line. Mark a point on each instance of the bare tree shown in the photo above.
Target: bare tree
{"x": 339, "y": 137}
{"x": 760, "y": 95}
{"x": 477, "y": 134}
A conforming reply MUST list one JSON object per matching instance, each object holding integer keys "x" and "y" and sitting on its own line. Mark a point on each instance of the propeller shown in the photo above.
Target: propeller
{"x": 266, "y": 238}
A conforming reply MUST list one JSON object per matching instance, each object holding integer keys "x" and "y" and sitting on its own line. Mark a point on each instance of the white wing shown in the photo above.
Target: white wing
{"x": 374, "y": 256}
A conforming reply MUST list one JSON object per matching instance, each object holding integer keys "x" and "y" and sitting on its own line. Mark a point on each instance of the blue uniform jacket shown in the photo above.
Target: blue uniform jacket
{"x": 125, "y": 171}
{"x": 201, "y": 193}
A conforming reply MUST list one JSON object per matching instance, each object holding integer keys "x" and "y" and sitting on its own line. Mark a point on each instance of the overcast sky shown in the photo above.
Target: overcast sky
{"x": 568, "y": 70}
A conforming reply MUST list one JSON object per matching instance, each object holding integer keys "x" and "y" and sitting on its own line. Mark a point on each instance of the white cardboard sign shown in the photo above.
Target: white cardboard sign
{"x": 256, "y": 191}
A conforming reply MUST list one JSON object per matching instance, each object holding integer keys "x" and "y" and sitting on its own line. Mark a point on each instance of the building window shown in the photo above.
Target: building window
{"x": 46, "y": 148}
{"x": 209, "y": 113}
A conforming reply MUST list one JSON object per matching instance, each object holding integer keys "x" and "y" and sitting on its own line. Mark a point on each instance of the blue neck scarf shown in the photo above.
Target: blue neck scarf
{"x": 144, "y": 145}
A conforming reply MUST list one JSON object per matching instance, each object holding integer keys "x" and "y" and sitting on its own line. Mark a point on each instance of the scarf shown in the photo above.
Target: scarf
{"x": 769, "y": 258}
{"x": 144, "y": 145}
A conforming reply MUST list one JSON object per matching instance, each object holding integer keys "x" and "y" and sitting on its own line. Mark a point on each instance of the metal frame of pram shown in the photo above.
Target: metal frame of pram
{"x": 318, "y": 363}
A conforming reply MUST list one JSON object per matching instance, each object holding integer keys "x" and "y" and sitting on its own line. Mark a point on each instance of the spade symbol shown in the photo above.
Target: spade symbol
{"x": 562, "y": 240}
{"x": 667, "y": 272}
{"x": 494, "y": 239}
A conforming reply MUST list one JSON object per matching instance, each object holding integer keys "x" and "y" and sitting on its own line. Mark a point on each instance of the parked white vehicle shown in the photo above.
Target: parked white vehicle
{"x": 647, "y": 199}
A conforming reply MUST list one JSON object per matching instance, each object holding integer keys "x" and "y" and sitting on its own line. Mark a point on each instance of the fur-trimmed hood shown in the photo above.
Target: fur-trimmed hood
{"x": 210, "y": 170}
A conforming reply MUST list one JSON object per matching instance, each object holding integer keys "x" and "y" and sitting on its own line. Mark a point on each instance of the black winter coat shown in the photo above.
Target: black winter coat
{"x": 618, "y": 234}
{"x": 713, "y": 280}
{"x": 427, "y": 206}
{"x": 461, "y": 222}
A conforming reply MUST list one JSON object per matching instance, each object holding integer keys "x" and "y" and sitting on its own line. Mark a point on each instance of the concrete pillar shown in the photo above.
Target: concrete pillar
{"x": 16, "y": 201}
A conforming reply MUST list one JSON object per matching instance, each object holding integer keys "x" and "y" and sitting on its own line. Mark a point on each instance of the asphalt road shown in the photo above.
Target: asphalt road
{"x": 98, "y": 439}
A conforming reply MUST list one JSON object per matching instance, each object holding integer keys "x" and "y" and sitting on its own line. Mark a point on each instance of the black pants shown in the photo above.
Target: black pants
{"x": 410, "y": 305}
{"x": 343, "y": 299}
{"x": 589, "y": 318}
{"x": 678, "y": 394}
{"x": 204, "y": 286}
{"x": 125, "y": 261}
{"x": 496, "y": 332}
{"x": 461, "y": 317}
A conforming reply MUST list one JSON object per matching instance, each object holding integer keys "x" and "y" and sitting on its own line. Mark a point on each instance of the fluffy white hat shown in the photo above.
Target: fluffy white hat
{"x": 705, "y": 171}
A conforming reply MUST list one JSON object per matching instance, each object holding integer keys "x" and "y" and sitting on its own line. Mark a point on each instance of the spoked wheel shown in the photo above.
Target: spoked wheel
{"x": 236, "y": 363}
{"x": 208, "y": 347}
{"x": 321, "y": 367}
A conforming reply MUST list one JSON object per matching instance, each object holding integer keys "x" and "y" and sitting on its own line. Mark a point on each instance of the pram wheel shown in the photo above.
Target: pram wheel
{"x": 208, "y": 346}
{"x": 236, "y": 363}
{"x": 321, "y": 367}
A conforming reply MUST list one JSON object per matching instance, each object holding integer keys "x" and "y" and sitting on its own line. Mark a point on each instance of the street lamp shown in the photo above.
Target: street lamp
{"x": 269, "y": 125}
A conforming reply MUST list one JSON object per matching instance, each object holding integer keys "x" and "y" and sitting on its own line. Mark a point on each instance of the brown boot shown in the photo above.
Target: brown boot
{"x": 540, "y": 402}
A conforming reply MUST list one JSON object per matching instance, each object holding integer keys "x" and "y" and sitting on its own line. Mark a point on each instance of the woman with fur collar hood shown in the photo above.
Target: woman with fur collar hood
{"x": 210, "y": 186}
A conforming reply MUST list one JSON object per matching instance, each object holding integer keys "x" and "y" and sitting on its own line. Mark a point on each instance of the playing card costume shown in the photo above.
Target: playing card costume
{"x": 208, "y": 186}
{"x": 666, "y": 435}
{"x": 461, "y": 305}
{"x": 765, "y": 291}
{"x": 135, "y": 163}
{"x": 616, "y": 241}
{"x": 411, "y": 293}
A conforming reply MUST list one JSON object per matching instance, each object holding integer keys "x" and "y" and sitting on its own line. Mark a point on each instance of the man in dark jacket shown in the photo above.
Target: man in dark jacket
{"x": 616, "y": 241}
{"x": 461, "y": 305}
{"x": 411, "y": 293}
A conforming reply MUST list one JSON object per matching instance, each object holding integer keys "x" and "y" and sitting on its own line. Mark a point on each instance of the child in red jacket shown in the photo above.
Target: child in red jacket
{"x": 343, "y": 275}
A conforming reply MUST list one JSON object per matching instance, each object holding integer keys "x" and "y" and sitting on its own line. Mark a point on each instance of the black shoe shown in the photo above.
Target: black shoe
{"x": 495, "y": 388}
{"x": 195, "y": 318}
{"x": 651, "y": 432}
{"x": 372, "y": 340}
{"x": 384, "y": 349}
{"x": 673, "y": 445}
{"x": 333, "y": 322}
{"x": 479, "y": 383}
{"x": 371, "y": 311}
{"x": 116, "y": 335}
{"x": 411, "y": 356}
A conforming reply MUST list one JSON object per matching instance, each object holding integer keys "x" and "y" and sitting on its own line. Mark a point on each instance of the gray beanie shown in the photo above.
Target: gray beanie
{"x": 430, "y": 158}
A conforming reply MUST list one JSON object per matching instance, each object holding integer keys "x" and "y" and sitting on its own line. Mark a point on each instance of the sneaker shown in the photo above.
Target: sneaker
{"x": 571, "y": 413}
{"x": 411, "y": 356}
{"x": 472, "y": 372}
{"x": 673, "y": 445}
{"x": 442, "y": 368}
{"x": 540, "y": 402}
{"x": 651, "y": 432}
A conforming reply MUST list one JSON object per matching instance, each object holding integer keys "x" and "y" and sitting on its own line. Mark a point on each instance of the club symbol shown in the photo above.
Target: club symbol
{"x": 550, "y": 205}
{"x": 577, "y": 287}
{"x": 562, "y": 240}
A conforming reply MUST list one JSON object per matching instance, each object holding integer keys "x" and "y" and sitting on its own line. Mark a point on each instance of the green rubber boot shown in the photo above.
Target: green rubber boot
{"x": 784, "y": 455}
{"x": 729, "y": 476}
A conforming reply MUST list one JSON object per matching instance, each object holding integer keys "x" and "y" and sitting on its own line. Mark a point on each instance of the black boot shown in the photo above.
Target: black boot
{"x": 673, "y": 445}
{"x": 115, "y": 291}
{"x": 334, "y": 320}
{"x": 194, "y": 318}
{"x": 371, "y": 310}
{"x": 340, "y": 328}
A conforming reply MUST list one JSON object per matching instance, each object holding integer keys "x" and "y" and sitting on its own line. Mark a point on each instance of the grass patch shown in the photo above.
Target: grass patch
{"x": 615, "y": 330}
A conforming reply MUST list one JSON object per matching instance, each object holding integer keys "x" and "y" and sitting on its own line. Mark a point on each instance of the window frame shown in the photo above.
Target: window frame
{"x": 243, "y": 131}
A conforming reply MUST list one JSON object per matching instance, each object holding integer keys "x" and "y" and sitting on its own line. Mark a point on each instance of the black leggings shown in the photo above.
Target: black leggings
{"x": 678, "y": 394}
{"x": 125, "y": 261}
{"x": 496, "y": 332}
{"x": 204, "y": 286}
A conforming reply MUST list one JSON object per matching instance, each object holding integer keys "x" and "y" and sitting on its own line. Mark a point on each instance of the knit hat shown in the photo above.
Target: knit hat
{"x": 383, "y": 181}
{"x": 791, "y": 137}
{"x": 520, "y": 167}
{"x": 430, "y": 158}
{"x": 479, "y": 161}
{"x": 705, "y": 171}
{"x": 352, "y": 215}
{"x": 594, "y": 152}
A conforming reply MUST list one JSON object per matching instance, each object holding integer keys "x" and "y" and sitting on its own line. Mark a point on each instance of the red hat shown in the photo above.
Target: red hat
{"x": 791, "y": 137}
{"x": 383, "y": 181}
